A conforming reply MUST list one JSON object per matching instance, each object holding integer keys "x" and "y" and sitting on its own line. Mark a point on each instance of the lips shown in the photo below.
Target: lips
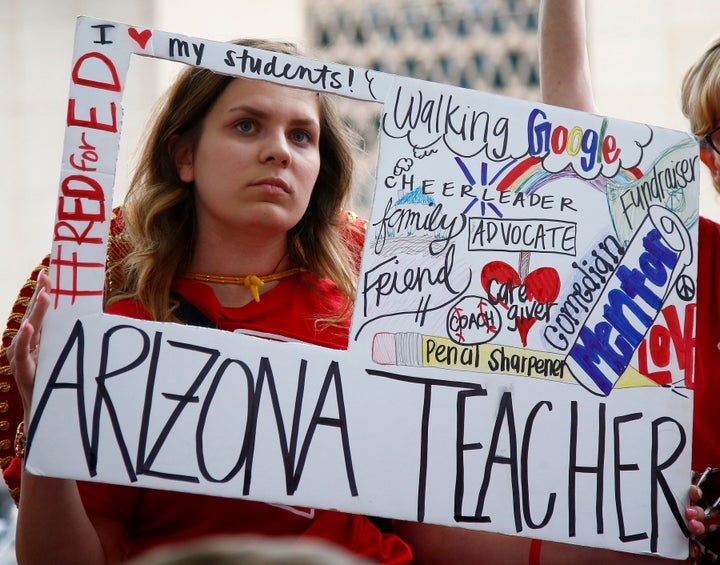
{"x": 275, "y": 182}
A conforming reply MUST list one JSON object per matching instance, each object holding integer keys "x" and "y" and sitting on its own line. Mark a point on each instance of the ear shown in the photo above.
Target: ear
{"x": 711, "y": 160}
{"x": 183, "y": 160}
{"x": 706, "y": 155}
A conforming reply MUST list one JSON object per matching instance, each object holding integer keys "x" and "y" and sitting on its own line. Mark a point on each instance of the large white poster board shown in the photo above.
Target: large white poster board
{"x": 521, "y": 351}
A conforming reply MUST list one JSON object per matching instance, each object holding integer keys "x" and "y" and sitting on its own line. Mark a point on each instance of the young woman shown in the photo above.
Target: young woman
{"x": 235, "y": 212}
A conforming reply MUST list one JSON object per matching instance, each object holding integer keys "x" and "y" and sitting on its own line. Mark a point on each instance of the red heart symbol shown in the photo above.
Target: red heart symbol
{"x": 541, "y": 285}
{"x": 140, "y": 37}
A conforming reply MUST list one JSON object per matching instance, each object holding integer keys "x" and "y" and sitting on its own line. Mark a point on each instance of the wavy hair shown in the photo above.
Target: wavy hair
{"x": 159, "y": 208}
{"x": 700, "y": 92}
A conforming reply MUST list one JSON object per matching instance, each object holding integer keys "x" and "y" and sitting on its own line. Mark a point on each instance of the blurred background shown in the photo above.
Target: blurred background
{"x": 639, "y": 51}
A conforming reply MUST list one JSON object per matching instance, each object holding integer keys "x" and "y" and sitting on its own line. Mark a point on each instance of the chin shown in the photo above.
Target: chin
{"x": 276, "y": 223}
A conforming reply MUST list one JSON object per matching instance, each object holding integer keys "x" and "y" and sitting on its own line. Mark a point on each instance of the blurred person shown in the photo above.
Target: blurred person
{"x": 566, "y": 81}
{"x": 249, "y": 550}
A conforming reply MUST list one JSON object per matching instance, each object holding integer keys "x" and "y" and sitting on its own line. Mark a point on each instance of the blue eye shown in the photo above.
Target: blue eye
{"x": 245, "y": 126}
{"x": 300, "y": 136}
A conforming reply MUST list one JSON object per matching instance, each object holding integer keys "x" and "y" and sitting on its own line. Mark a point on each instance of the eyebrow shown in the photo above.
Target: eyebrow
{"x": 254, "y": 111}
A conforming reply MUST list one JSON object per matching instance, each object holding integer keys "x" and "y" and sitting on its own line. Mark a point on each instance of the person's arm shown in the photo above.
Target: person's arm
{"x": 53, "y": 526}
{"x": 565, "y": 78}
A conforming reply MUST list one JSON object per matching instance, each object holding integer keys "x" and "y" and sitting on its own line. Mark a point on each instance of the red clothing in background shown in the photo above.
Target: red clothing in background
{"x": 706, "y": 421}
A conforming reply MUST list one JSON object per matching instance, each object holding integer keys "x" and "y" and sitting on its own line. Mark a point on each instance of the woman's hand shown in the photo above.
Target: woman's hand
{"x": 705, "y": 496}
{"x": 695, "y": 514}
{"x": 22, "y": 353}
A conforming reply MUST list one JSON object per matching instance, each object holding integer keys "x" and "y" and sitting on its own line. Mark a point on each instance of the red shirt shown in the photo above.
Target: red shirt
{"x": 291, "y": 310}
{"x": 154, "y": 517}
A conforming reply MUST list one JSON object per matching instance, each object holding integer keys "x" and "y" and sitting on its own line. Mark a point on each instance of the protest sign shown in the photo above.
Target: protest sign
{"x": 522, "y": 345}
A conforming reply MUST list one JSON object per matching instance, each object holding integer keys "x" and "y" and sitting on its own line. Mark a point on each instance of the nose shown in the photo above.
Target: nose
{"x": 276, "y": 149}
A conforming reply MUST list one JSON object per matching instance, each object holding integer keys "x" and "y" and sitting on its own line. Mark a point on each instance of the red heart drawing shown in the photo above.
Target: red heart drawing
{"x": 541, "y": 285}
{"x": 140, "y": 37}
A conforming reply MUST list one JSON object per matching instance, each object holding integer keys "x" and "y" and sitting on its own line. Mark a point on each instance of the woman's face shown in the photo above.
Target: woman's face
{"x": 257, "y": 159}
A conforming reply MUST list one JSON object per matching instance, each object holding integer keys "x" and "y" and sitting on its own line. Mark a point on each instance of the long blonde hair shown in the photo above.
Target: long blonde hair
{"x": 159, "y": 209}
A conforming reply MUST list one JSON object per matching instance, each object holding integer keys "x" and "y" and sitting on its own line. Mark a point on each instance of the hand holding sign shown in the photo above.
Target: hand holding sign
{"x": 22, "y": 353}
